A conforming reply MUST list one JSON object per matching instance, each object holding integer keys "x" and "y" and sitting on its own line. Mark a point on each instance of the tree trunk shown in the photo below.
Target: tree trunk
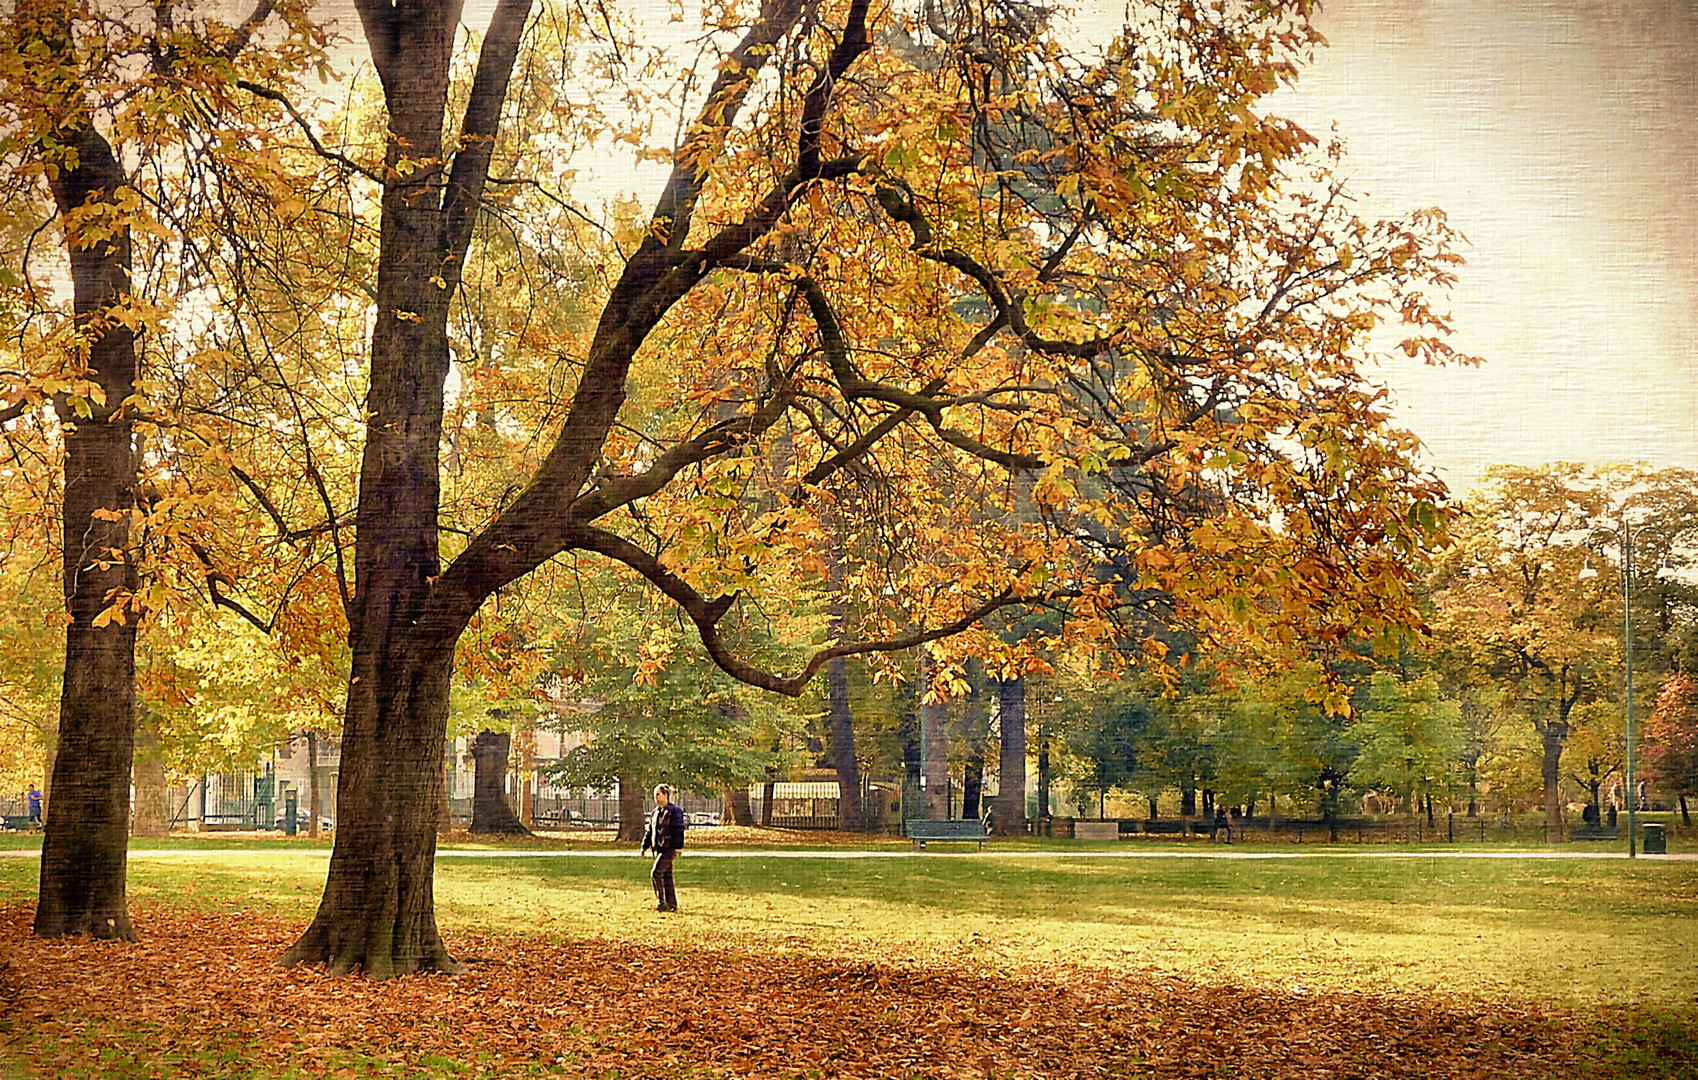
{"x": 737, "y": 805}
{"x": 850, "y": 816}
{"x": 83, "y": 853}
{"x": 975, "y": 730}
{"x": 315, "y": 790}
{"x": 153, "y": 796}
{"x": 908, "y": 717}
{"x": 378, "y": 911}
{"x": 1685, "y": 815}
{"x": 934, "y": 745}
{"x": 1153, "y": 808}
{"x": 491, "y": 810}
{"x": 1011, "y": 757}
{"x": 1187, "y": 799}
{"x": 1043, "y": 769}
{"x": 523, "y": 774}
{"x": 633, "y": 809}
{"x": 1551, "y": 740}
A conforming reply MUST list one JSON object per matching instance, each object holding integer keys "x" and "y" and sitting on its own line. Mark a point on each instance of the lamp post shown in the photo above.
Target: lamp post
{"x": 1627, "y": 635}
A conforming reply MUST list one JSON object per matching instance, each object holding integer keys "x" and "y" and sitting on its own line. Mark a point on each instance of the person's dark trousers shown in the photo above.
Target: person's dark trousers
{"x": 665, "y": 897}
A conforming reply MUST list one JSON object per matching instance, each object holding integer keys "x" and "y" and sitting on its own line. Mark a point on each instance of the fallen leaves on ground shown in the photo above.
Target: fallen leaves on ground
{"x": 203, "y": 991}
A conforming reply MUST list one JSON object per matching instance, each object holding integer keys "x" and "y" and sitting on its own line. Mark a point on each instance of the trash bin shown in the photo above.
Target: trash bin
{"x": 1656, "y": 841}
{"x": 290, "y": 809}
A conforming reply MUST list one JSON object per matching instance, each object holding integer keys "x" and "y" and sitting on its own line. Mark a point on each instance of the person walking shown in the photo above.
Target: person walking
{"x": 34, "y": 799}
{"x": 664, "y": 836}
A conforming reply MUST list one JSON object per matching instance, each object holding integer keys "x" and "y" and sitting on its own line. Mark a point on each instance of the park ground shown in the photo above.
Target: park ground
{"x": 1335, "y": 963}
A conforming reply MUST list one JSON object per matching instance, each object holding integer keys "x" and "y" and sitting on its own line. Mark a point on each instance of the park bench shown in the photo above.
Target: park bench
{"x": 1594, "y": 832}
{"x": 1176, "y": 827}
{"x": 17, "y": 822}
{"x": 1096, "y": 830}
{"x": 960, "y": 830}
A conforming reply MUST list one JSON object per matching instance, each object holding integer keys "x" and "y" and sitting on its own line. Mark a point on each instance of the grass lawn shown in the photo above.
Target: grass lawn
{"x": 1597, "y": 957}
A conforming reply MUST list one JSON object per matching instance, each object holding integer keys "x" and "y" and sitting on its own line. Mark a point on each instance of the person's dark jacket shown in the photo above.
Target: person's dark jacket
{"x": 671, "y": 831}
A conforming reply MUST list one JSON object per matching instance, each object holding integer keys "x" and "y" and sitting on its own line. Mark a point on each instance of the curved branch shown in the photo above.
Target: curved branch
{"x": 706, "y": 615}
{"x": 306, "y": 129}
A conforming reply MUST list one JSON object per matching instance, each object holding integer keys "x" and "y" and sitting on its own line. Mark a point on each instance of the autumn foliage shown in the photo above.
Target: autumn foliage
{"x": 203, "y": 990}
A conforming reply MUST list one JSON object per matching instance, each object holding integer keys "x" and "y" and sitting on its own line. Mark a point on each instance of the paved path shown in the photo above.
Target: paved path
{"x": 897, "y": 853}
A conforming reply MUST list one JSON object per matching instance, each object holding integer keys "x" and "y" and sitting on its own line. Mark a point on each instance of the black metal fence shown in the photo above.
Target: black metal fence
{"x": 227, "y": 801}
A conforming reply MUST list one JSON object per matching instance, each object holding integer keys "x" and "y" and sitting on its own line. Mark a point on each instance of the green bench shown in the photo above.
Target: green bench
{"x": 962, "y": 830}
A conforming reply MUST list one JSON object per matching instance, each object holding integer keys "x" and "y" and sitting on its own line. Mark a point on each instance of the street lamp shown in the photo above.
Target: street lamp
{"x": 1587, "y": 572}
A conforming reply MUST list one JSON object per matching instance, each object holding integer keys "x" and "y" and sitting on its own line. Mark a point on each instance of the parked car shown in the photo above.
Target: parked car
{"x": 701, "y": 817}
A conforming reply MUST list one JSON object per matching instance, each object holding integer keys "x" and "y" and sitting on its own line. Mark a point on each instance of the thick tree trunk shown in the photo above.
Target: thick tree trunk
{"x": 1551, "y": 738}
{"x": 491, "y": 810}
{"x": 1011, "y": 757}
{"x": 1187, "y": 799}
{"x": 153, "y": 796}
{"x": 378, "y": 911}
{"x": 934, "y": 745}
{"x": 633, "y": 809}
{"x": 315, "y": 790}
{"x": 850, "y": 816}
{"x": 975, "y": 730}
{"x": 1685, "y": 815}
{"x": 83, "y": 853}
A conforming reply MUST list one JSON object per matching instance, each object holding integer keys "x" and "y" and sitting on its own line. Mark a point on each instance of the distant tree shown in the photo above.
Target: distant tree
{"x": 1671, "y": 740}
{"x": 1409, "y": 741}
{"x": 1511, "y": 589}
{"x": 1102, "y": 743}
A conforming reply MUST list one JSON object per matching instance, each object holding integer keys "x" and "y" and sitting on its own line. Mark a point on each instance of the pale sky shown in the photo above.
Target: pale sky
{"x": 1556, "y": 135}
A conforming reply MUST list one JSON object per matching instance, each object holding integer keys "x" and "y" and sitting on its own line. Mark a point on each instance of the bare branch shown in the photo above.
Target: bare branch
{"x": 705, "y": 614}
{"x": 306, "y": 129}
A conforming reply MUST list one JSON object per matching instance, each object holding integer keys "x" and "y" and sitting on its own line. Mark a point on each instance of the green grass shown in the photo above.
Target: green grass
{"x": 1574, "y": 933}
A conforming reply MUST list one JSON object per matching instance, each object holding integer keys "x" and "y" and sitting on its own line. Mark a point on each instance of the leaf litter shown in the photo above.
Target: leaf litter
{"x": 202, "y": 996}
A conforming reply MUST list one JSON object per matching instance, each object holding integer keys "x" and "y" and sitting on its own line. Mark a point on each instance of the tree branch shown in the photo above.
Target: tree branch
{"x": 306, "y": 129}
{"x": 705, "y": 614}
{"x": 245, "y": 32}
{"x": 470, "y": 171}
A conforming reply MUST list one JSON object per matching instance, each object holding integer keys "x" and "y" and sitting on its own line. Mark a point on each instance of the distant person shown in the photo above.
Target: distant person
{"x": 1223, "y": 824}
{"x": 34, "y": 799}
{"x": 987, "y": 820}
{"x": 664, "y": 836}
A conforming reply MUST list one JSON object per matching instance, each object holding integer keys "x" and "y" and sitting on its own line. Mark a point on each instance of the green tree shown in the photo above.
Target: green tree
{"x": 1409, "y": 741}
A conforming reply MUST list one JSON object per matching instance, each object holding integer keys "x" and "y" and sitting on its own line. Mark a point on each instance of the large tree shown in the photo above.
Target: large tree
{"x": 106, "y": 115}
{"x": 848, "y": 257}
